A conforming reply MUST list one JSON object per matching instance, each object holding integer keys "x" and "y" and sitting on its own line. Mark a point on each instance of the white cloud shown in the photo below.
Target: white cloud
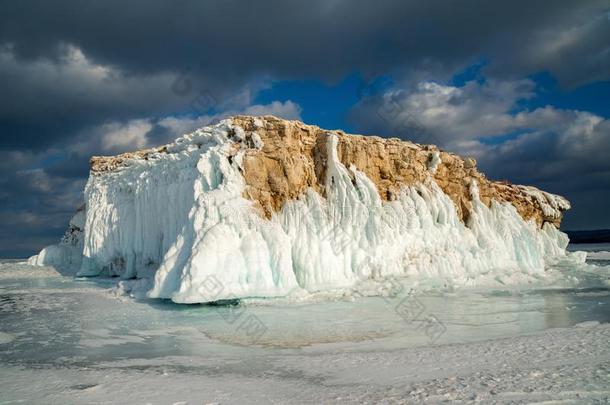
{"x": 288, "y": 110}
{"x": 176, "y": 126}
{"x": 453, "y": 114}
{"x": 458, "y": 117}
{"x": 117, "y": 137}
{"x": 564, "y": 151}
{"x": 183, "y": 125}
{"x": 130, "y": 135}
{"x": 240, "y": 103}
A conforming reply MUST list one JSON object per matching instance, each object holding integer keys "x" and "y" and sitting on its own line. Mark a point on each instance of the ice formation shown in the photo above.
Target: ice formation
{"x": 68, "y": 253}
{"x": 551, "y": 204}
{"x": 177, "y": 219}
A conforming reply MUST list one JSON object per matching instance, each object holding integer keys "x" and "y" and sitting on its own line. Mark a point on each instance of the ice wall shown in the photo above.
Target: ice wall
{"x": 179, "y": 220}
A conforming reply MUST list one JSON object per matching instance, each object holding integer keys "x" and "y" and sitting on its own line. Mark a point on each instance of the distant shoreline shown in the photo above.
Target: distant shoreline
{"x": 592, "y": 236}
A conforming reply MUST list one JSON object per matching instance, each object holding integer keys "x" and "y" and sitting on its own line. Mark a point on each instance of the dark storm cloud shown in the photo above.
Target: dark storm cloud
{"x": 327, "y": 38}
{"x": 35, "y": 206}
{"x": 572, "y": 163}
{"x": 44, "y": 100}
{"x": 225, "y": 46}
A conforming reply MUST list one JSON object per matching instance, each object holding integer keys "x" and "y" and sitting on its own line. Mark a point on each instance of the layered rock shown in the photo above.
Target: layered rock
{"x": 284, "y": 158}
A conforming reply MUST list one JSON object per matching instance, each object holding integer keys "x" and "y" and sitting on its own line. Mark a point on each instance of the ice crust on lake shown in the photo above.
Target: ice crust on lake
{"x": 178, "y": 225}
{"x": 601, "y": 255}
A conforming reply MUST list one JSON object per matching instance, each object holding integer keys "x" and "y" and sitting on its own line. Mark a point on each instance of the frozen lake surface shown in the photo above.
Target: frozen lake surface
{"x": 66, "y": 340}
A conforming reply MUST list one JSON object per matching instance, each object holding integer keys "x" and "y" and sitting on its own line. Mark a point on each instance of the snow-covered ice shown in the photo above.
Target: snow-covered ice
{"x": 66, "y": 340}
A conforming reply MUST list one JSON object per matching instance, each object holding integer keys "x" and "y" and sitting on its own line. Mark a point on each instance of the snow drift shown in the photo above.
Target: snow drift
{"x": 195, "y": 221}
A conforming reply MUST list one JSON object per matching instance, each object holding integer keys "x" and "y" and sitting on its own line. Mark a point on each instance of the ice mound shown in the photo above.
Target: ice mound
{"x": 192, "y": 221}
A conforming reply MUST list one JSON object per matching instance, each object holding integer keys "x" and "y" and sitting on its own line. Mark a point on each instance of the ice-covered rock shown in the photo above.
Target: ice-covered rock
{"x": 263, "y": 207}
{"x": 67, "y": 254}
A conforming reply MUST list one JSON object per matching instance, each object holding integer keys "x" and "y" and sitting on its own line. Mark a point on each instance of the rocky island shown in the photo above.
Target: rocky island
{"x": 266, "y": 207}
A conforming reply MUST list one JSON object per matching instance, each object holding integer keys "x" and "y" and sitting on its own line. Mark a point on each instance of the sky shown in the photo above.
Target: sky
{"x": 521, "y": 86}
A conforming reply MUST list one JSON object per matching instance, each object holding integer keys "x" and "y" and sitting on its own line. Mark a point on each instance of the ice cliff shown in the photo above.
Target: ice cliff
{"x": 264, "y": 207}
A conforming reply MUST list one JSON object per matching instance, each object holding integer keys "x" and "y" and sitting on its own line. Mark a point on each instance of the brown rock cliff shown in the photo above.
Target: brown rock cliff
{"x": 293, "y": 157}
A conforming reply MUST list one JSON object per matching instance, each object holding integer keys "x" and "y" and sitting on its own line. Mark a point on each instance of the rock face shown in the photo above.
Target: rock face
{"x": 294, "y": 158}
{"x": 288, "y": 157}
{"x": 265, "y": 207}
